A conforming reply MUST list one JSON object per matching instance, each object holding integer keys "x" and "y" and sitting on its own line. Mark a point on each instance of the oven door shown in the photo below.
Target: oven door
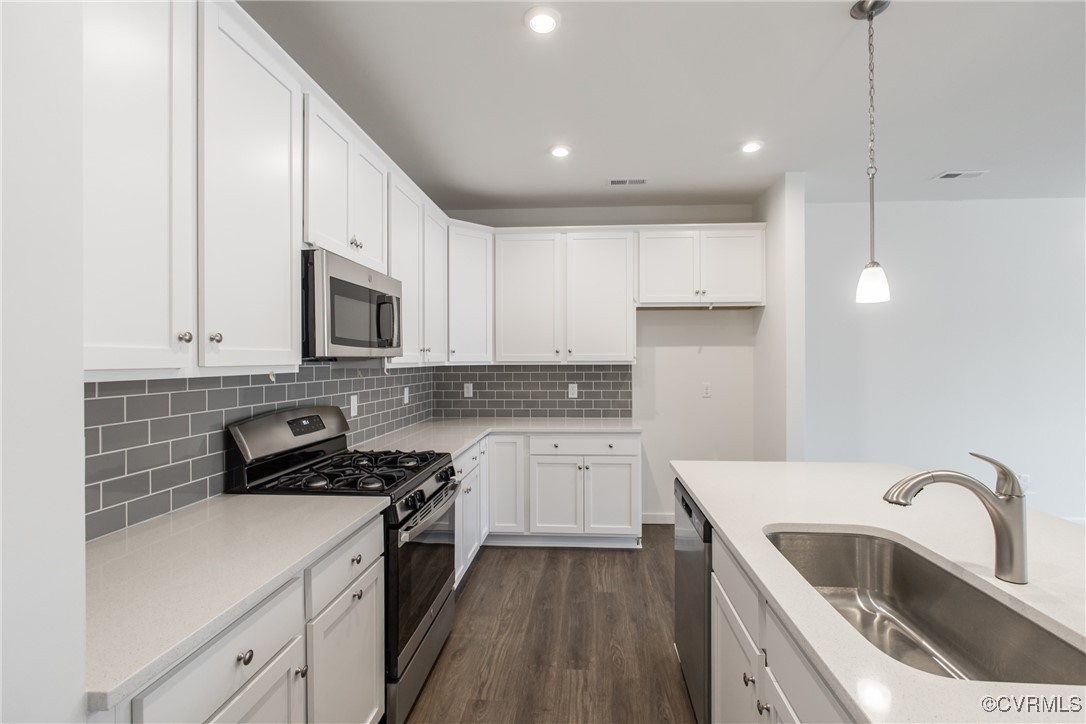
{"x": 351, "y": 310}
{"x": 421, "y": 562}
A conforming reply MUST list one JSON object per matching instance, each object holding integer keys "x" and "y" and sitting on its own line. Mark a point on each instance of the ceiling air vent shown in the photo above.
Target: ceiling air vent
{"x": 626, "y": 182}
{"x": 960, "y": 174}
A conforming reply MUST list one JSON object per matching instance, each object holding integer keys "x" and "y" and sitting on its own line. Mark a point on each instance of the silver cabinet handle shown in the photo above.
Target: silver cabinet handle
{"x": 217, "y": 337}
{"x": 246, "y": 657}
{"x": 747, "y": 680}
{"x": 357, "y": 559}
{"x": 184, "y": 337}
{"x": 303, "y": 671}
{"x": 358, "y": 594}
{"x": 762, "y": 708}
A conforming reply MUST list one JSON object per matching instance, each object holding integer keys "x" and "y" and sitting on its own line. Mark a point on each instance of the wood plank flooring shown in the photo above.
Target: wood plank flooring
{"x": 562, "y": 635}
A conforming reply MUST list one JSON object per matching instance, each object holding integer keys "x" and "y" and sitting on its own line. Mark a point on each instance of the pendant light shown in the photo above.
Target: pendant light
{"x": 872, "y": 286}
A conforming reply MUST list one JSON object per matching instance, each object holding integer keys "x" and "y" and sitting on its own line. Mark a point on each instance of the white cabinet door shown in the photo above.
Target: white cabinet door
{"x": 346, "y": 653}
{"x": 556, "y": 484}
{"x": 327, "y": 177}
{"x": 668, "y": 267}
{"x": 599, "y": 297}
{"x": 139, "y": 184}
{"x": 780, "y": 711}
{"x": 733, "y": 267}
{"x": 484, "y": 490}
{"x": 507, "y": 482}
{"x": 405, "y": 249}
{"x": 471, "y": 515}
{"x": 734, "y": 663}
{"x": 529, "y": 298}
{"x": 250, "y": 161}
{"x": 436, "y": 298}
{"x": 460, "y": 558}
{"x": 471, "y": 295}
{"x": 369, "y": 205}
{"x": 612, "y": 494}
{"x": 276, "y": 694}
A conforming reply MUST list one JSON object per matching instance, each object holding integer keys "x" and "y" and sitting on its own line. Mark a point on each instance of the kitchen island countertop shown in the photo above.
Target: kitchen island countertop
{"x": 745, "y": 500}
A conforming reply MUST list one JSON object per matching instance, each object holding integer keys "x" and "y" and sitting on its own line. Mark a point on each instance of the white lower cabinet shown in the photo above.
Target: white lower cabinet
{"x": 345, "y": 651}
{"x": 472, "y": 507}
{"x": 556, "y": 497}
{"x": 758, "y": 673}
{"x": 612, "y": 495}
{"x": 276, "y": 694}
{"x": 508, "y": 483}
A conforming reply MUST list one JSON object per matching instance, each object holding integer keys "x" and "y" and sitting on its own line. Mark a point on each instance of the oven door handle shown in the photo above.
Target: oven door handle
{"x": 412, "y": 532}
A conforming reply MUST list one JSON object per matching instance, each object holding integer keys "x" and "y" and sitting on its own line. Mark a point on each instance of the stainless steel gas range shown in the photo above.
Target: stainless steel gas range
{"x": 304, "y": 452}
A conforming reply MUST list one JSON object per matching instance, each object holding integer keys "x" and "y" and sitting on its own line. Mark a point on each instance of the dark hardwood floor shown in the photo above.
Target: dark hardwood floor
{"x": 562, "y": 635}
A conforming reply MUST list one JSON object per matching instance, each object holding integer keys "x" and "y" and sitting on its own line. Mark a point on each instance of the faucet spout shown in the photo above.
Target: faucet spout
{"x": 1006, "y": 507}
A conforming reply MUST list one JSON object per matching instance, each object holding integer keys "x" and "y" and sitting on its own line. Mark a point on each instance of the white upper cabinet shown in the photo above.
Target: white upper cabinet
{"x": 405, "y": 250}
{"x": 599, "y": 297}
{"x": 471, "y": 295}
{"x": 733, "y": 266}
{"x": 345, "y": 187}
{"x": 669, "y": 267}
{"x": 529, "y": 298}
{"x": 250, "y": 160}
{"x": 436, "y": 294}
{"x": 139, "y": 185}
{"x": 716, "y": 265}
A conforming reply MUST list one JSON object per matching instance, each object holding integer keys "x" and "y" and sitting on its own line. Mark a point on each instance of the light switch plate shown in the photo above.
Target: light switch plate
{"x": 572, "y": 390}
{"x": 468, "y": 391}
{"x": 354, "y": 405}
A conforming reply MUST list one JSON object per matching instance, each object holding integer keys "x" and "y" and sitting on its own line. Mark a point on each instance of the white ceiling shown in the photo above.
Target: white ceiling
{"x": 468, "y": 101}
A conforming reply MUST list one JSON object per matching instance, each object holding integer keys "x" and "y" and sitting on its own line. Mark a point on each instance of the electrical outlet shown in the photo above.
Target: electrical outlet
{"x": 406, "y": 395}
{"x": 706, "y": 389}
{"x": 354, "y": 405}
{"x": 468, "y": 391}
{"x": 572, "y": 390}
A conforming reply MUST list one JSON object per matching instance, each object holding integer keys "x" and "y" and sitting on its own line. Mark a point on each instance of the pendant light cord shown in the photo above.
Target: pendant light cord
{"x": 871, "y": 170}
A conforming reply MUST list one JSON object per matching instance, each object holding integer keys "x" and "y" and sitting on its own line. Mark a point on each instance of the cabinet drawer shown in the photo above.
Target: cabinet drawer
{"x": 331, "y": 574}
{"x": 801, "y": 688}
{"x": 741, "y": 592}
{"x": 467, "y": 461}
{"x": 585, "y": 445}
{"x": 204, "y": 681}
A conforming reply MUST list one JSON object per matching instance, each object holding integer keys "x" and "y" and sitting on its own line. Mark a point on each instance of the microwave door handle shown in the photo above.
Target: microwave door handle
{"x": 410, "y": 533}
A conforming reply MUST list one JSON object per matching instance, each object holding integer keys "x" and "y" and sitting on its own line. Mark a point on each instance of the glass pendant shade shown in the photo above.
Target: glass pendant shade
{"x": 872, "y": 287}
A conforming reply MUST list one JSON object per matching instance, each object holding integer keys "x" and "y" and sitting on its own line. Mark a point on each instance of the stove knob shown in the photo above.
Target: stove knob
{"x": 451, "y": 472}
{"x": 443, "y": 476}
{"x": 420, "y": 498}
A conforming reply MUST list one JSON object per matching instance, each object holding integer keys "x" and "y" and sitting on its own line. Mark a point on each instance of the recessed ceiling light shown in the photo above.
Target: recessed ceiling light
{"x": 752, "y": 146}
{"x": 542, "y": 20}
{"x": 560, "y": 151}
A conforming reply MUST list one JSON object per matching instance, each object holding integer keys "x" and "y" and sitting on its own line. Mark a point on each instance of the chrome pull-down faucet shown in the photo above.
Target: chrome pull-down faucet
{"x": 1006, "y": 507}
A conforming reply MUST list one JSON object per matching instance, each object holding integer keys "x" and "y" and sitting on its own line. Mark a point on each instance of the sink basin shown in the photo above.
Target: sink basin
{"x": 924, "y": 615}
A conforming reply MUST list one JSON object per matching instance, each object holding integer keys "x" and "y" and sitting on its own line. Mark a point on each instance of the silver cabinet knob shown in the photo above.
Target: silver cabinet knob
{"x": 580, "y": 467}
{"x": 762, "y": 708}
{"x": 467, "y": 491}
{"x": 459, "y": 471}
{"x": 587, "y": 466}
{"x": 569, "y": 351}
{"x": 696, "y": 292}
{"x": 610, "y": 445}
{"x": 217, "y": 337}
{"x": 357, "y": 560}
{"x": 246, "y": 657}
{"x": 747, "y": 680}
{"x": 556, "y": 446}
{"x": 184, "y": 337}
{"x": 427, "y": 350}
{"x": 557, "y": 352}
{"x": 355, "y": 242}
{"x": 703, "y": 294}
{"x": 358, "y": 595}
{"x": 452, "y": 351}
{"x": 482, "y": 452}
{"x": 303, "y": 671}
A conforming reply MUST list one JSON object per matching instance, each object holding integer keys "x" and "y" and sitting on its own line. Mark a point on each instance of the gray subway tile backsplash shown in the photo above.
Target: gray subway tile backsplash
{"x": 157, "y": 445}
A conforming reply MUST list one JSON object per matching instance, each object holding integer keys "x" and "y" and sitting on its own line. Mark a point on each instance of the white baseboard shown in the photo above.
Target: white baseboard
{"x": 659, "y": 518}
{"x": 561, "y": 541}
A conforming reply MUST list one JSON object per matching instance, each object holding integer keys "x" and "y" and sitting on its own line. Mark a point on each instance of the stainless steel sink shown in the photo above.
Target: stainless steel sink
{"x": 925, "y": 616}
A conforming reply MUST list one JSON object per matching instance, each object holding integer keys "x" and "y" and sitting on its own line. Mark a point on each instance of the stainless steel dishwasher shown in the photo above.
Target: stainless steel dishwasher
{"x": 693, "y": 566}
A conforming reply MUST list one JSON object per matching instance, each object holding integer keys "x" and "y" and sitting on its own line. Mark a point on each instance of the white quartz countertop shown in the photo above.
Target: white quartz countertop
{"x": 159, "y": 590}
{"x": 454, "y": 436}
{"x": 745, "y": 500}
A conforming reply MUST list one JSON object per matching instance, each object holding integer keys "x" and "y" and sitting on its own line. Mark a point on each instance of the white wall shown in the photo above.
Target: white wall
{"x": 982, "y": 347}
{"x": 677, "y": 352}
{"x": 779, "y": 327}
{"x": 44, "y": 606}
{"x": 703, "y": 214}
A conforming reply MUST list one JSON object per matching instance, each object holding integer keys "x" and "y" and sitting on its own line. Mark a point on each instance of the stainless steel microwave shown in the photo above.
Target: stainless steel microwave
{"x": 351, "y": 311}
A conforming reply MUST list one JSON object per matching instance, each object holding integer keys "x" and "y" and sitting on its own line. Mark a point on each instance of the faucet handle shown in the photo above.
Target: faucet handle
{"x": 1006, "y": 481}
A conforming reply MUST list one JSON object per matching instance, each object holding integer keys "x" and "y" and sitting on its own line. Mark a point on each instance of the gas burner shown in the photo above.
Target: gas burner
{"x": 316, "y": 481}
